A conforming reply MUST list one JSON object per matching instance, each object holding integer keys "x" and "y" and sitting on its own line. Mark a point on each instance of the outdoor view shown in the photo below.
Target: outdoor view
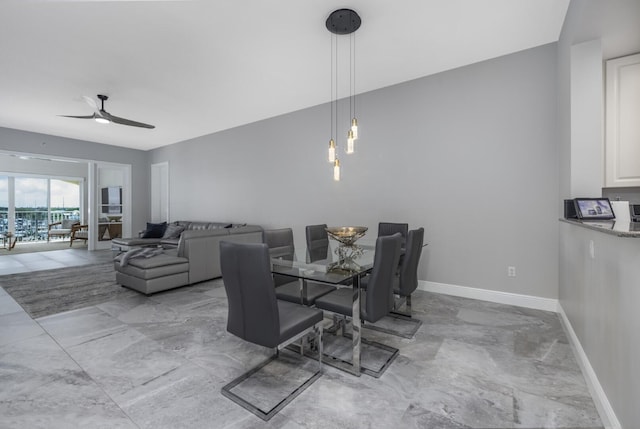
{"x": 32, "y": 212}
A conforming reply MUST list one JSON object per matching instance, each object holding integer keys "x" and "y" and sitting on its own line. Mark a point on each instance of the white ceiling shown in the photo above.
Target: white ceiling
{"x": 196, "y": 67}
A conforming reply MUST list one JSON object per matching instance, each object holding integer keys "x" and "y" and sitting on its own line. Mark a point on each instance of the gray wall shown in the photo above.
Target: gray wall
{"x": 595, "y": 293}
{"x": 33, "y": 143}
{"x": 469, "y": 154}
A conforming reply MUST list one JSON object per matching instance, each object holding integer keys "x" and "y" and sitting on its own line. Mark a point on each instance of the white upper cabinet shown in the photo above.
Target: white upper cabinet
{"x": 622, "y": 165}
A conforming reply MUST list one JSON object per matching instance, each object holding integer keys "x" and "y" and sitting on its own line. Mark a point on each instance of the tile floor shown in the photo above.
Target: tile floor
{"x": 25, "y": 262}
{"x": 160, "y": 362}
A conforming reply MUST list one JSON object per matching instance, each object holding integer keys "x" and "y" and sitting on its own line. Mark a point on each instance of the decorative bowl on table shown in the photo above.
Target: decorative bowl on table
{"x": 346, "y": 235}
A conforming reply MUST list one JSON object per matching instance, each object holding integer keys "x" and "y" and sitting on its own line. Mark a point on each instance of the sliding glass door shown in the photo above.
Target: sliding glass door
{"x": 29, "y": 204}
{"x": 31, "y": 208}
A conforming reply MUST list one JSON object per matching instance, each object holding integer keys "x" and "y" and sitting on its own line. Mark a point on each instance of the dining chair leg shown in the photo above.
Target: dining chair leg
{"x": 356, "y": 326}
{"x": 319, "y": 345}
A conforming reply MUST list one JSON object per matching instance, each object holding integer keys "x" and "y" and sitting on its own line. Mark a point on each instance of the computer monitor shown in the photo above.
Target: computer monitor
{"x": 594, "y": 209}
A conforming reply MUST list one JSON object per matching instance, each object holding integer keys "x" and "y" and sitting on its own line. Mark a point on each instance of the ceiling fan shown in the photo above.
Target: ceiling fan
{"x": 104, "y": 117}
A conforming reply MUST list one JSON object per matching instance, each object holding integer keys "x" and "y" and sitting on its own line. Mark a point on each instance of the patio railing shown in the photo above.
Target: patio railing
{"x": 33, "y": 225}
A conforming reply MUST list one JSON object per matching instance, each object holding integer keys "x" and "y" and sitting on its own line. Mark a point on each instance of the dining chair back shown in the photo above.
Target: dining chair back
{"x": 379, "y": 295}
{"x": 390, "y": 228}
{"x": 279, "y": 242}
{"x": 253, "y": 310}
{"x": 408, "y": 279}
{"x": 317, "y": 242}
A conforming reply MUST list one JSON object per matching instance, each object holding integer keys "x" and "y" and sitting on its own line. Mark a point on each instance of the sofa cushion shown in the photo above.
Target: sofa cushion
{"x": 197, "y": 226}
{"x": 157, "y": 261}
{"x": 170, "y": 243}
{"x": 173, "y": 231}
{"x": 135, "y": 241}
{"x": 155, "y": 230}
{"x": 244, "y": 229}
{"x": 150, "y": 268}
{"x": 154, "y": 273}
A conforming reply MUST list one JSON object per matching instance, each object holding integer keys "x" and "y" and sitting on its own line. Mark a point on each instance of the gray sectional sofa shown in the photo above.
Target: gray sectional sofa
{"x": 172, "y": 234}
{"x": 191, "y": 258}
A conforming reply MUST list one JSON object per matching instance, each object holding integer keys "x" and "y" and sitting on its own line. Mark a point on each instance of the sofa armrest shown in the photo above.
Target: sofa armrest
{"x": 204, "y": 257}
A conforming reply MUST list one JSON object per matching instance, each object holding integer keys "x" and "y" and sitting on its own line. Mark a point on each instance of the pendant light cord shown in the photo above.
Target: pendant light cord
{"x": 336, "y": 98}
{"x": 332, "y": 91}
{"x": 354, "y": 73}
{"x": 350, "y": 76}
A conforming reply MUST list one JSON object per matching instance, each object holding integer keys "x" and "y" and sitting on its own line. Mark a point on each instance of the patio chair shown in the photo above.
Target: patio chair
{"x": 79, "y": 232}
{"x": 61, "y": 229}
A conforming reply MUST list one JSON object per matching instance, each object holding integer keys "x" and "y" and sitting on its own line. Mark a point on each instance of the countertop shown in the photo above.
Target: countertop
{"x": 619, "y": 229}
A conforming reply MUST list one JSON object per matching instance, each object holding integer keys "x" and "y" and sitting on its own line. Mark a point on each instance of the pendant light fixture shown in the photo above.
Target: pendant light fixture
{"x": 342, "y": 22}
{"x": 353, "y": 132}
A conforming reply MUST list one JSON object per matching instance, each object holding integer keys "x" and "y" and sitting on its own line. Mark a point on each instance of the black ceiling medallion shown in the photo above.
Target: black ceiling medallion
{"x": 343, "y": 21}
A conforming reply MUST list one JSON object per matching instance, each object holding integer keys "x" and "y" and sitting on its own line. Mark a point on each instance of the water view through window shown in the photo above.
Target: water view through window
{"x": 38, "y": 202}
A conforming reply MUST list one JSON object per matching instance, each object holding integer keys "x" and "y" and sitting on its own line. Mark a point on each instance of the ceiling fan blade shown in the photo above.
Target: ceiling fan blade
{"x": 79, "y": 117}
{"x": 123, "y": 121}
{"x": 91, "y": 102}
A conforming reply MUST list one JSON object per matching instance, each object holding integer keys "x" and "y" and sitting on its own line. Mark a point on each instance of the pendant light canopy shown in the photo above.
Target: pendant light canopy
{"x": 342, "y": 22}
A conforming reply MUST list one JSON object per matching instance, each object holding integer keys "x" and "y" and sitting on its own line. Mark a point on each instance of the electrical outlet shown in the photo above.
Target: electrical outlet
{"x": 511, "y": 271}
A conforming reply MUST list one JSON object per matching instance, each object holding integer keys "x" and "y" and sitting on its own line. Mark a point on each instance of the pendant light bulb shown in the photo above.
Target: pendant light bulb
{"x": 354, "y": 128}
{"x": 336, "y": 170}
{"x": 102, "y": 120}
{"x": 332, "y": 151}
{"x": 350, "y": 142}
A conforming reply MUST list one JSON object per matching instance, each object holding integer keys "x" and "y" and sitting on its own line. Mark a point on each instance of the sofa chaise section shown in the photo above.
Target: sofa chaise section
{"x": 155, "y": 274}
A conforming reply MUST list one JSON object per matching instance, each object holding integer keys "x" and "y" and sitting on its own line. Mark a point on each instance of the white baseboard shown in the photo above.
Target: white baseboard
{"x": 610, "y": 421}
{"x": 600, "y": 399}
{"x": 527, "y": 301}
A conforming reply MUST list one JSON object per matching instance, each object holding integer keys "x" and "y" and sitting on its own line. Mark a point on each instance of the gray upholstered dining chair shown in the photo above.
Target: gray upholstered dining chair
{"x": 407, "y": 280}
{"x": 256, "y": 316}
{"x": 377, "y": 301}
{"x": 390, "y": 228}
{"x": 404, "y": 284}
{"x": 280, "y": 243}
{"x": 317, "y": 242}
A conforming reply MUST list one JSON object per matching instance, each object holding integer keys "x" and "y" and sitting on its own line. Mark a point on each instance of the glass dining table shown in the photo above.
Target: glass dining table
{"x": 338, "y": 265}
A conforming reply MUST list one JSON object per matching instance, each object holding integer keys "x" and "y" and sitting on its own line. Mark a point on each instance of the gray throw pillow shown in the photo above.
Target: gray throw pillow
{"x": 173, "y": 231}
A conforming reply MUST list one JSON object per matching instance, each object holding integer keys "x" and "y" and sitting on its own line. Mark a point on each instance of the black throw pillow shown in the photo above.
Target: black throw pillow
{"x": 155, "y": 230}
